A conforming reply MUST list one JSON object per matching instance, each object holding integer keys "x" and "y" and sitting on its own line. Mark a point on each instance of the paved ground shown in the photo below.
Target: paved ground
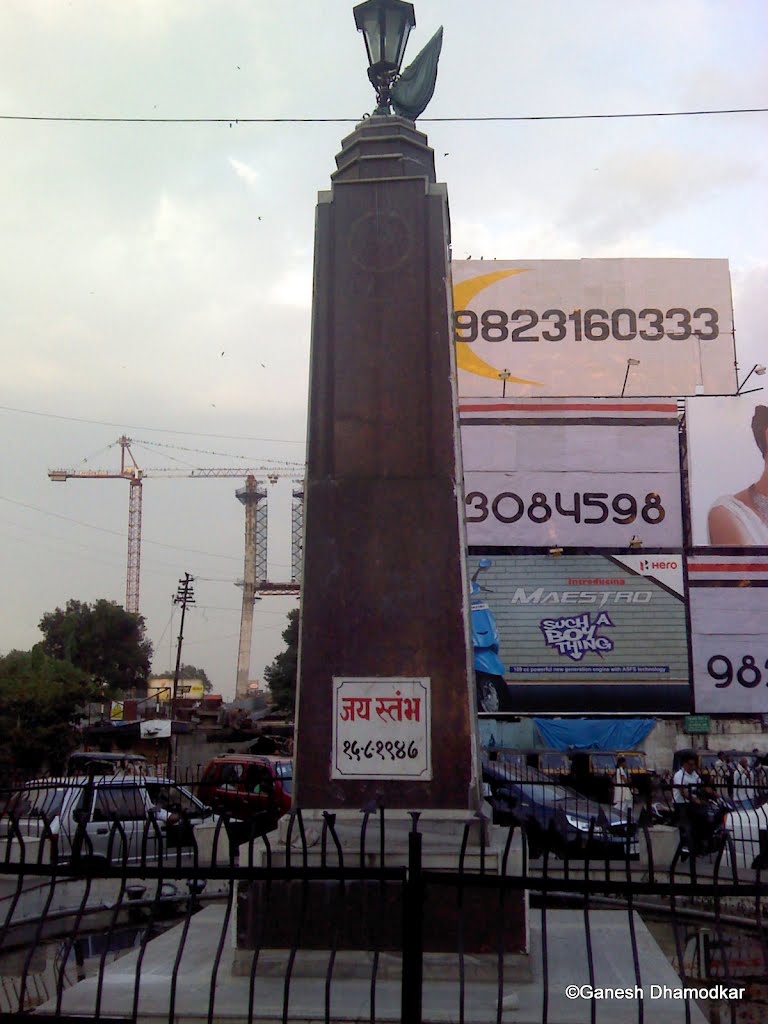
{"x": 350, "y": 997}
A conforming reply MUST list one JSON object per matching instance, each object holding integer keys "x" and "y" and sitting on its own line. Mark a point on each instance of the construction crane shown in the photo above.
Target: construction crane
{"x": 130, "y": 471}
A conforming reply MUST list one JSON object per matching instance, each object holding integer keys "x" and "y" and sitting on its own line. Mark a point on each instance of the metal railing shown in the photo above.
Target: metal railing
{"x": 378, "y": 913}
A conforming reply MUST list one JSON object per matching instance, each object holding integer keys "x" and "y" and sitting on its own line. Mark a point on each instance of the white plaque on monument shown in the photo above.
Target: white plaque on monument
{"x": 381, "y": 728}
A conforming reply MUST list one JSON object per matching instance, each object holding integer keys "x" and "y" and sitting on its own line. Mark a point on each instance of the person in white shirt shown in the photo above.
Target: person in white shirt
{"x": 690, "y": 808}
{"x": 685, "y": 784}
{"x": 622, "y": 793}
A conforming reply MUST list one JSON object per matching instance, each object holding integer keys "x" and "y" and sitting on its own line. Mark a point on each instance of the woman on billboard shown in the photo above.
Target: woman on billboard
{"x": 741, "y": 520}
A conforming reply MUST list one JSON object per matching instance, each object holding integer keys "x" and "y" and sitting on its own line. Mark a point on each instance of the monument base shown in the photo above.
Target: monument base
{"x": 360, "y": 917}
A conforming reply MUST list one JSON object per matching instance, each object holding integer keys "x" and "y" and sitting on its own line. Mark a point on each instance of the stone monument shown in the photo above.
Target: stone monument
{"x": 385, "y": 701}
{"x": 386, "y": 717}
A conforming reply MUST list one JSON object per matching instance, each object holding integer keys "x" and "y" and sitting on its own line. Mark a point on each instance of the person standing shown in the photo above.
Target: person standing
{"x": 743, "y": 782}
{"x": 622, "y": 793}
{"x": 722, "y": 771}
{"x": 690, "y": 811}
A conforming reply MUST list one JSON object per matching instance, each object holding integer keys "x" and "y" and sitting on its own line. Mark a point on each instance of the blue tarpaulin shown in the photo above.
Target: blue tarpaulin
{"x": 594, "y": 733}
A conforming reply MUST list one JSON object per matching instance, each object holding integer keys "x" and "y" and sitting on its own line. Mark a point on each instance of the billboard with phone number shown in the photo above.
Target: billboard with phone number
{"x": 590, "y": 633}
{"x": 587, "y": 473}
{"x": 728, "y": 595}
{"x": 591, "y": 327}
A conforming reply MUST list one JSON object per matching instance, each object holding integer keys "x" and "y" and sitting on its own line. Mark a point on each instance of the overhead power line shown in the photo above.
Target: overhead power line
{"x": 115, "y": 533}
{"x": 354, "y": 120}
{"x": 143, "y": 426}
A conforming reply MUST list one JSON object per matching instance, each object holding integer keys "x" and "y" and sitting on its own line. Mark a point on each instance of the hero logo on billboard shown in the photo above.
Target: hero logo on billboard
{"x": 593, "y": 327}
{"x": 575, "y": 636}
{"x": 592, "y": 473}
{"x": 665, "y": 569}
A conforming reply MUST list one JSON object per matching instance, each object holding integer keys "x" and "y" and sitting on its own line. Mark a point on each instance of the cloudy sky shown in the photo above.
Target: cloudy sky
{"x": 157, "y": 276}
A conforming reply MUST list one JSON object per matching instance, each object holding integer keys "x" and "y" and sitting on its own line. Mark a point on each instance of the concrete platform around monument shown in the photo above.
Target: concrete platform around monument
{"x": 350, "y": 997}
{"x": 442, "y": 835}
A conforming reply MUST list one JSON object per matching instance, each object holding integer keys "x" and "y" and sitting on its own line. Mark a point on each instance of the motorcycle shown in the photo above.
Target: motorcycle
{"x": 489, "y": 668}
{"x": 703, "y": 831}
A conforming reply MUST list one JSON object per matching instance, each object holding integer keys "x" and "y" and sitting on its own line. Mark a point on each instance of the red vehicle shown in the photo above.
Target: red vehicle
{"x": 254, "y": 788}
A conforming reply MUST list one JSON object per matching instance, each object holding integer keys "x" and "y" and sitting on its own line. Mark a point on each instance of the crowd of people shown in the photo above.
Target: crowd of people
{"x": 741, "y": 779}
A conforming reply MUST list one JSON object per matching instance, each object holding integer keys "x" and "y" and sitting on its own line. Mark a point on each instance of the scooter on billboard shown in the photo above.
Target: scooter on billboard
{"x": 489, "y": 668}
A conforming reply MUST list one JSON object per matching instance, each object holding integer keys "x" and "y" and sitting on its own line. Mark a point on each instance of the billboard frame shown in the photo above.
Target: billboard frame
{"x": 743, "y": 553}
{"x": 576, "y": 280}
{"x": 485, "y": 551}
{"x": 536, "y": 412}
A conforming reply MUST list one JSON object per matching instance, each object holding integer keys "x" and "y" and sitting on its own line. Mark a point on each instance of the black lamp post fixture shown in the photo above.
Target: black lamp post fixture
{"x": 756, "y": 369}
{"x": 630, "y": 363}
{"x": 385, "y": 25}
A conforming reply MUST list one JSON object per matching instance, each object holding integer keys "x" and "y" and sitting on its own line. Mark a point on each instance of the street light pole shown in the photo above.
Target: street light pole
{"x": 630, "y": 363}
{"x": 185, "y": 595}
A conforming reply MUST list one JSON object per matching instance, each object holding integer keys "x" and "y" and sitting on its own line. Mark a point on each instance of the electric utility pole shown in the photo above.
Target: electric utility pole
{"x": 185, "y": 595}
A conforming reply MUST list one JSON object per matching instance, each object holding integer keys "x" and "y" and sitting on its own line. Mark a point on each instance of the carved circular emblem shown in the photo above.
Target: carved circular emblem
{"x": 380, "y": 241}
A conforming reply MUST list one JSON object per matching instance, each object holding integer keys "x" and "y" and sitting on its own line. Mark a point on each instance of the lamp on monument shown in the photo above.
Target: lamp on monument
{"x": 385, "y": 25}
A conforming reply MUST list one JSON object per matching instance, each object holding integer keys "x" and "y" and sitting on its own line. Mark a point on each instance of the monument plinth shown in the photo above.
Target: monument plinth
{"x": 385, "y": 709}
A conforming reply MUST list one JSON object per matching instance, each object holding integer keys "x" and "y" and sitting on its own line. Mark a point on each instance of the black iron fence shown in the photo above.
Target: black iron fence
{"x": 113, "y": 907}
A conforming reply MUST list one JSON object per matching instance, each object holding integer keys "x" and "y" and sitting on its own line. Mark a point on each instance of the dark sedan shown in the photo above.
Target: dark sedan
{"x": 555, "y": 817}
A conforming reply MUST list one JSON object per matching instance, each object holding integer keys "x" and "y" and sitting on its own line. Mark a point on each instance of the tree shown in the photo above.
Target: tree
{"x": 40, "y": 703}
{"x": 280, "y": 676}
{"x": 190, "y": 672}
{"x": 102, "y": 639}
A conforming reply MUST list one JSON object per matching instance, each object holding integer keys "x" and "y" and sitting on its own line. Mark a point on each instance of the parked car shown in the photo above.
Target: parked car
{"x": 105, "y": 818}
{"x": 96, "y": 762}
{"x": 252, "y": 789}
{"x": 747, "y": 827}
{"x": 554, "y": 763}
{"x": 556, "y": 817}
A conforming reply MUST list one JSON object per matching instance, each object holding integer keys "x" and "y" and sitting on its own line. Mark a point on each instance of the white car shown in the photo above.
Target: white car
{"x": 100, "y": 817}
{"x": 748, "y": 830}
